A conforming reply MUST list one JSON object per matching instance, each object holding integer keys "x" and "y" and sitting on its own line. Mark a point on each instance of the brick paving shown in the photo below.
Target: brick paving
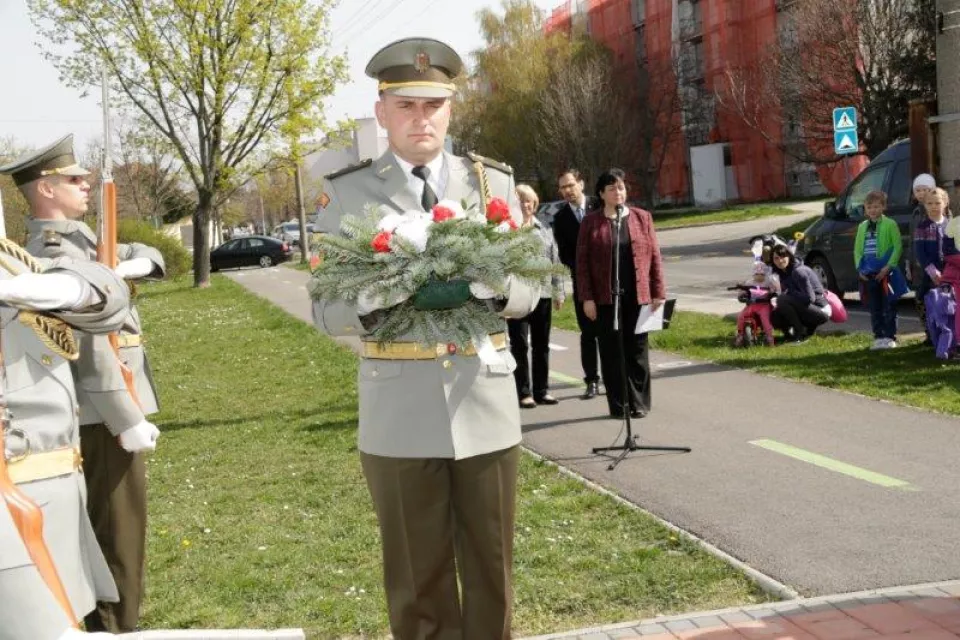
{"x": 920, "y": 612}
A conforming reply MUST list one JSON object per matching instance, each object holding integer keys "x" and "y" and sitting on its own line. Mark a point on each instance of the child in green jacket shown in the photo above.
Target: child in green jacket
{"x": 876, "y": 253}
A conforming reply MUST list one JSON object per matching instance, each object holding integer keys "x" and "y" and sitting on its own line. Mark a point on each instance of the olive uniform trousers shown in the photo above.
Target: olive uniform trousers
{"x": 117, "y": 505}
{"x": 438, "y": 516}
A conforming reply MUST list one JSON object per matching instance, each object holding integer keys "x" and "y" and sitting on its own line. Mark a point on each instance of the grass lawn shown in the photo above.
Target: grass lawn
{"x": 669, "y": 220}
{"x": 259, "y": 515}
{"x": 907, "y": 375}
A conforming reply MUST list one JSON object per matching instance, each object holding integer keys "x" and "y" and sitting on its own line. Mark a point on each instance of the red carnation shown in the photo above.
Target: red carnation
{"x": 381, "y": 242}
{"x": 498, "y": 210}
{"x": 441, "y": 213}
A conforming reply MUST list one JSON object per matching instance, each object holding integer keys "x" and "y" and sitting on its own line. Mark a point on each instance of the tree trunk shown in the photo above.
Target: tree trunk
{"x": 201, "y": 239}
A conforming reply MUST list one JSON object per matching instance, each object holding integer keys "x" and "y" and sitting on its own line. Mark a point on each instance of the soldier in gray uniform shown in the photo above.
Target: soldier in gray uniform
{"x": 439, "y": 429}
{"x": 39, "y": 303}
{"x": 114, "y": 424}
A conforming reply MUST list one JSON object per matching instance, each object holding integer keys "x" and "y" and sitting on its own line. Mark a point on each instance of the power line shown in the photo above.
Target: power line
{"x": 357, "y": 18}
{"x": 379, "y": 19}
{"x": 425, "y": 9}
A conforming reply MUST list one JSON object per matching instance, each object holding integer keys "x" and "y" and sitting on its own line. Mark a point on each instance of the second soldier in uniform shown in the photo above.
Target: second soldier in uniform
{"x": 114, "y": 424}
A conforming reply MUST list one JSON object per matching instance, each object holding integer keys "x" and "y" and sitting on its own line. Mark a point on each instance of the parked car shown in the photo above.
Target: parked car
{"x": 547, "y": 210}
{"x": 827, "y": 247}
{"x": 250, "y": 251}
{"x": 289, "y": 232}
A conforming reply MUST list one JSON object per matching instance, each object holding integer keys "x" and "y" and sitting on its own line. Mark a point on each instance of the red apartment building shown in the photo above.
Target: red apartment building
{"x": 718, "y": 158}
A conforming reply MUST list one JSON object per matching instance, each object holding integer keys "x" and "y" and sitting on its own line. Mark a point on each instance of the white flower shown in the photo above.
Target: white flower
{"x": 415, "y": 231}
{"x": 503, "y": 227}
{"x": 390, "y": 222}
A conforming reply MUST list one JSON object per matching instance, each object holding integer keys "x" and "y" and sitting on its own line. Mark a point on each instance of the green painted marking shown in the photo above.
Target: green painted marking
{"x": 568, "y": 379}
{"x": 834, "y": 465}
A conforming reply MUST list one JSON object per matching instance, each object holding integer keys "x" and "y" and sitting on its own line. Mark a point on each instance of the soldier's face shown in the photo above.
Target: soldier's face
{"x": 416, "y": 127}
{"x": 68, "y": 194}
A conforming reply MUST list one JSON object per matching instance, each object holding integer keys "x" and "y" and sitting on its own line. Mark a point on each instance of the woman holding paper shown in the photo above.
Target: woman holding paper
{"x": 641, "y": 285}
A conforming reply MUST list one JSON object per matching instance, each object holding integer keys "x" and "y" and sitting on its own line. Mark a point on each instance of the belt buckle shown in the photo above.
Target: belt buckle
{"x": 20, "y": 433}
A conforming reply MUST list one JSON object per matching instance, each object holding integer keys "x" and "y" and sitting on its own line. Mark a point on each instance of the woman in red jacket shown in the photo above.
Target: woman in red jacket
{"x": 641, "y": 283}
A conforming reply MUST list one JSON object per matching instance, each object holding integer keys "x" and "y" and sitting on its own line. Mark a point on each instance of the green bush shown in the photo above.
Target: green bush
{"x": 177, "y": 259}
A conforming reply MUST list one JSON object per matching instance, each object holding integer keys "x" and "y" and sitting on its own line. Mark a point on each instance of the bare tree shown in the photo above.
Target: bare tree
{"x": 863, "y": 53}
{"x": 598, "y": 115}
{"x": 148, "y": 176}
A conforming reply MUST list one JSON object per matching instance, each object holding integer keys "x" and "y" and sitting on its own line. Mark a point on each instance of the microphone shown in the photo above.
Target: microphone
{"x": 619, "y": 211}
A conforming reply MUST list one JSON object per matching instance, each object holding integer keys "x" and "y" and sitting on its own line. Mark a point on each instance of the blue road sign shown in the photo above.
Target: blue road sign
{"x": 845, "y": 142}
{"x": 844, "y": 118}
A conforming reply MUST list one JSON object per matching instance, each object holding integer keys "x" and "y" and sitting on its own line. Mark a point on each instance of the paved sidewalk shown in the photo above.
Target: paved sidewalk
{"x": 923, "y": 612}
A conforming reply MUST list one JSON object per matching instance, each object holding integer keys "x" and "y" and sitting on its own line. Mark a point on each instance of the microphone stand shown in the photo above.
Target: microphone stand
{"x": 630, "y": 443}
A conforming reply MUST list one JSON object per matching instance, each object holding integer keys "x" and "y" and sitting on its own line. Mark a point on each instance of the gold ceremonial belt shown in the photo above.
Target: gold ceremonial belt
{"x": 131, "y": 340}
{"x": 43, "y": 465}
{"x": 417, "y": 351}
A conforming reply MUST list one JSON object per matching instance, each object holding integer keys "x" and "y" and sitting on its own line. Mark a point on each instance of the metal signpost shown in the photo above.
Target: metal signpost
{"x": 845, "y": 140}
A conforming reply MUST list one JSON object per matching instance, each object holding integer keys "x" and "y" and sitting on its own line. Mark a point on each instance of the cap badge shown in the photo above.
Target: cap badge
{"x": 421, "y": 62}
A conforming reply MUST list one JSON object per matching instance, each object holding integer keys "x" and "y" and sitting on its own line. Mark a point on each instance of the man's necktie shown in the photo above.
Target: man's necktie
{"x": 429, "y": 198}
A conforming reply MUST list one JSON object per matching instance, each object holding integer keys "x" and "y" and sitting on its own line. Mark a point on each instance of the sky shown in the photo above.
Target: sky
{"x": 36, "y": 108}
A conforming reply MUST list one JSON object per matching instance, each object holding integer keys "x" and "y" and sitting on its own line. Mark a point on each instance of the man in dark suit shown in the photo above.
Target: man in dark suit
{"x": 566, "y": 228}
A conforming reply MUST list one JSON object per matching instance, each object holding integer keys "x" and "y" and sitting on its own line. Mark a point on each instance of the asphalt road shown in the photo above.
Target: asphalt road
{"x": 824, "y": 491}
{"x": 701, "y": 262}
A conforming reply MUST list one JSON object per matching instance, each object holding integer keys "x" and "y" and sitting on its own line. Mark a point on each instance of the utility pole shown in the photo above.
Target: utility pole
{"x": 302, "y": 216}
{"x": 948, "y": 94}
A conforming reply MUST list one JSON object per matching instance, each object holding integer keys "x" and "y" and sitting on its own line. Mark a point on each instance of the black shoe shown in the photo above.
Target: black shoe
{"x": 638, "y": 413}
{"x": 593, "y": 390}
{"x": 547, "y": 399}
{"x": 527, "y": 402}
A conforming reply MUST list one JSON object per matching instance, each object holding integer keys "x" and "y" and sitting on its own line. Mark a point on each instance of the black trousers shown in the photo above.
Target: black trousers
{"x": 636, "y": 354}
{"x": 537, "y": 348}
{"x": 589, "y": 342}
{"x": 792, "y": 314}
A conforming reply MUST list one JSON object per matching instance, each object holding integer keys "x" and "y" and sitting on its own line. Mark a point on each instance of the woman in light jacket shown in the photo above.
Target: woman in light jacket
{"x": 641, "y": 283}
{"x": 530, "y": 336}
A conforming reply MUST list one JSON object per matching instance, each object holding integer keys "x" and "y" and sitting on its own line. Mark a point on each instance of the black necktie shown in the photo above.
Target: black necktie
{"x": 429, "y": 198}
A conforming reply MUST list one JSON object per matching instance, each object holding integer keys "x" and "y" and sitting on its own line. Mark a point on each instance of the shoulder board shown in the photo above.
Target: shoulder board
{"x": 493, "y": 164}
{"x": 350, "y": 169}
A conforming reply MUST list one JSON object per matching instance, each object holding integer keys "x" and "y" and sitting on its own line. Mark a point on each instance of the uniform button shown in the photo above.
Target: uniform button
{"x": 47, "y": 360}
{"x": 108, "y": 288}
{"x": 447, "y": 364}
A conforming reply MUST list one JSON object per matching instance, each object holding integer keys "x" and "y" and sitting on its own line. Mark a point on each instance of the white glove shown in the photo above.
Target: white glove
{"x": 76, "y": 634}
{"x": 481, "y": 291}
{"x": 135, "y": 268}
{"x": 45, "y": 291}
{"x": 367, "y": 302}
{"x": 141, "y": 437}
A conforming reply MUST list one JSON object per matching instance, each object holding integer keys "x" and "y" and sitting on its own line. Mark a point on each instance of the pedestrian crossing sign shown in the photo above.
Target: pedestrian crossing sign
{"x": 844, "y": 118}
{"x": 845, "y": 142}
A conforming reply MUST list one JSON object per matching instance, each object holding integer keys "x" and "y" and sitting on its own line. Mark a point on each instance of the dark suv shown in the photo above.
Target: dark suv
{"x": 828, "y": 245}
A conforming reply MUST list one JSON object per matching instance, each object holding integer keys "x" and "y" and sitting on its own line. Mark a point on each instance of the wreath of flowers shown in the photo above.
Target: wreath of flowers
{"x": 393, "y": 257}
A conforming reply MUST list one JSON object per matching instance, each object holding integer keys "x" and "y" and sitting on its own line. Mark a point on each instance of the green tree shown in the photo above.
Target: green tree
{"x": 216, "y": 78}
{"x": 14, "y": 205}
{"x": 499, "y": 109}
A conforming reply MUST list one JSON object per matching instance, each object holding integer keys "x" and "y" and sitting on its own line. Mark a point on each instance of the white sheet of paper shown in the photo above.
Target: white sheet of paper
{"x": 650, "y": 320}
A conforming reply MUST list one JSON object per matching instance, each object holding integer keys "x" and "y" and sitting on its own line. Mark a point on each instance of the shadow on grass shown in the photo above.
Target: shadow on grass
{"x": 300, "y": 414}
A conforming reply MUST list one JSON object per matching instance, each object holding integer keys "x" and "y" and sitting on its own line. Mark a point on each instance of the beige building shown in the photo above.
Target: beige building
{"x": 948, "y": 96}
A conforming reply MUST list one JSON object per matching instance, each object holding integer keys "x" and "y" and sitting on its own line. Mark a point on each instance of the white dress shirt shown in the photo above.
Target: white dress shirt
{"x": 437, "y": 179}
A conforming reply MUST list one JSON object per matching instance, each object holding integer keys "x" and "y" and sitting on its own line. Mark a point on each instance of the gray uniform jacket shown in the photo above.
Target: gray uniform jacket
{"x": 451, "y": 407}
{"x": 40, "y": 395}
{"x": 103, "y": 394}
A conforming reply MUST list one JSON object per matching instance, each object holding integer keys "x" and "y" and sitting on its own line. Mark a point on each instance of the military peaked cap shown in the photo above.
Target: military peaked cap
{"x": 57, "y": 159}
{"x": 416, "y": 68}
